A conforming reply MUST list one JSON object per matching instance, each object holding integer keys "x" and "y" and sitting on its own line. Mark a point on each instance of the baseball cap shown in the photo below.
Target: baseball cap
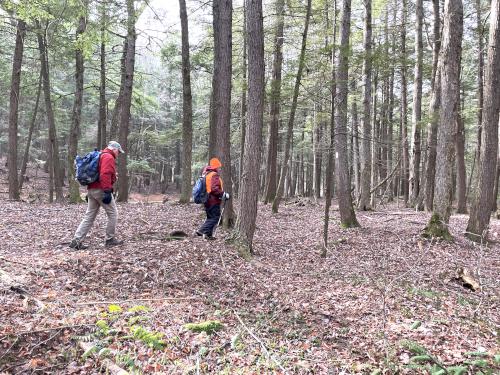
{"x": 116, "y": 145}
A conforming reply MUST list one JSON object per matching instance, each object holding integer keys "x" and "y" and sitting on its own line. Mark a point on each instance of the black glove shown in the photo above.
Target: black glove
{"x": 106, "y": 199}
{"x": 87, "y": 198}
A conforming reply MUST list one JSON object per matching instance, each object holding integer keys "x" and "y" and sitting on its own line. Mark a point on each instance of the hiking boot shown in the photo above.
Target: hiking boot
{"x": 77, "y": 245}
{"x": 113, "y": 242}
{"x": 208, "y": 237}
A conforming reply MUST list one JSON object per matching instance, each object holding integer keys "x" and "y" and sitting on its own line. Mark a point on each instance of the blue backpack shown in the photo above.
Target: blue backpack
{"x": 87, "y": 168}
{"x": 200, "y": 195}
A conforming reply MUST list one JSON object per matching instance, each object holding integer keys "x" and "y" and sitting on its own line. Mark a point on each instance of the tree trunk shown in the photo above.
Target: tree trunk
{"x": 289, "y": 132}
{"x": 243, "y": 116}
{"x": 366, "y": 143}
{"x": 450, "y": 74}
{"x": 187, "y": 108}
{"x": 30, "y": 135}
{"x": 355, "y": 131}
{"x": 480, "y": 85}
{"x": 483, "y": 200}
{"x": 375, "y": 124}
{"x": 347, "y": 215}
{"x": 126, "y": 102}
{"x": 414, "y": 182}
{"x": 245, "y": 225}
{"x": 74, "y": 187}
{"x": 460, "y": 165}
{"x": 101, "y": 123}
{"x": 55, "y": 164}
{"x": 14, "y": 110}
{"x": 329, "y": 173}
{"x": 222, "y": 22}
{"x": 404, "y": 107}
{"x": 317, "y": 159}
{"x": 435, "y": 102}
{"x": 116, "y": 115}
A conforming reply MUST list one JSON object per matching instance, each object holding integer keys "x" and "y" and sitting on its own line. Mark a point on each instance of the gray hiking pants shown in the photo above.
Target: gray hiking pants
{"x": 95, "y": 202}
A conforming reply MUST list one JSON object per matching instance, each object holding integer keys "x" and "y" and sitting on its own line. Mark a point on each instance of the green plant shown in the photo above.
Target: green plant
{"x": 151, "y": 339}
{"x": 210, "y": 326}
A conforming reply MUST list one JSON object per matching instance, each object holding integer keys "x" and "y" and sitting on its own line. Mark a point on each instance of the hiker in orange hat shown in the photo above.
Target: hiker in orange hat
{"x": 215, "y": 196}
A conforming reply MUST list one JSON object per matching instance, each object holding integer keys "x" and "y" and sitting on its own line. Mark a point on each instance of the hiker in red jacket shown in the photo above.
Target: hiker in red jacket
{"x": 99, "y": 194}
{"x": 216, "y": 194}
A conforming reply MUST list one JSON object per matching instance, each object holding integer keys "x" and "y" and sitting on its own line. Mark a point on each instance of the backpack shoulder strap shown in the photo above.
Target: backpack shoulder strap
{"x": 208, "y": 181}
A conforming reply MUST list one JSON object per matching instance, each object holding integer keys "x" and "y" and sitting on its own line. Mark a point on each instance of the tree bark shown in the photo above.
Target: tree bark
{"x": 289, "y": 133}
{"x": 272, "y": 143}
{"x": 460, "y": 165}
{"x": 116, "y": 115}
{"x": 187, "y": 108}
{"x": 404, "y": 107}
{"x": 243, "y": 112}
{"x": 14, "y": 110}
{"x": 435, "y": 103}
{"x": 347, "y": 215}
{"x": 221, "y": 105}
{"x": 450, "y": 74}
{"x": 414, "y": 182}
{"x": 53, "y": 148}
{"x": 74, "y": 187}
{"x": 102, "y": 121}
{"x": 245, "y": 225}
{"x": 30, "y": 135}
{"x": 329, "y": 173}
{"x": 480, "y": 85}
{"x": 126, "y": 102}
{"x": 366, "y": 143}
{"x": 483, "y": 200}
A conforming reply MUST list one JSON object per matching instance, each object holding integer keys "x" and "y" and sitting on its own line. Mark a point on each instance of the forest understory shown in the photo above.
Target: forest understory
{"x": 384, "y": 300}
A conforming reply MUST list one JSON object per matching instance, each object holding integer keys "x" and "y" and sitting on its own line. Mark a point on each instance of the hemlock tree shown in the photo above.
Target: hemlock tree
{"x": 126, "y": 102}
{"x": 450, "y": 74}
{"x": 221, "y": 97}
{"x": 55, "y": 180}
{"x": 74, "y": 188}
{"x": 187, "y": 108}
{"x": 366, "y": 152}
{"x": 414, "y": 183}
{"x": 483, "y": 200}
{"x": 272, "y": 143}
{"x": 293, "y": 109}
{"x": 249, "y": 190}
{"x": 14, "y": 109}
{"x": 435, "y": 102}
{"x": 347, "y": 215}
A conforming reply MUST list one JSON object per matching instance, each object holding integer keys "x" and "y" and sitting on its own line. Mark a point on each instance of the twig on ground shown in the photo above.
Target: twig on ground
{"x": 10, "y": 348}
{"x": 267, "y": 353}
{"x": 12, "y": 261}
{"x": 54, "y": 328}
{"x": 135, "y": 299}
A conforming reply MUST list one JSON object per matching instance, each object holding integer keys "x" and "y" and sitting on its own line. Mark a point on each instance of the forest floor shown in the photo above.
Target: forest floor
{"x": 384, "y": 300}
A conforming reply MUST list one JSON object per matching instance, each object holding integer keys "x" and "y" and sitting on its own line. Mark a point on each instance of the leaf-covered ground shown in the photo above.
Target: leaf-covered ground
{"x": 383, "y": 299}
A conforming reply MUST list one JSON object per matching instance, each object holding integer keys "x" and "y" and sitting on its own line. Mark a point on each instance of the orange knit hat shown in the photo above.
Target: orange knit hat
{"x": 215, "y": 163}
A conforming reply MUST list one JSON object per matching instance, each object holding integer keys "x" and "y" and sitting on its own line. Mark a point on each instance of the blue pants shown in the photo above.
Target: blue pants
{"x": 213, "y": 215}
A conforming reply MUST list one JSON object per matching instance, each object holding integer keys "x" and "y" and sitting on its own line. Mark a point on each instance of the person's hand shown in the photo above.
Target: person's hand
{"x": 106, "y": 199}
{"x": 225, "y": 196}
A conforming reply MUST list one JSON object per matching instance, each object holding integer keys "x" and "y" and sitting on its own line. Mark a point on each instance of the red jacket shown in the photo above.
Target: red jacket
{"x": 214, "y": 186}
{"x": 107, "y": 171}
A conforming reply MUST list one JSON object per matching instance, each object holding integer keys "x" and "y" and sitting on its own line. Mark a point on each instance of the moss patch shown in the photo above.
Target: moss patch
{"x": 437, "y": 229}
{"x": 210, "y": 326}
